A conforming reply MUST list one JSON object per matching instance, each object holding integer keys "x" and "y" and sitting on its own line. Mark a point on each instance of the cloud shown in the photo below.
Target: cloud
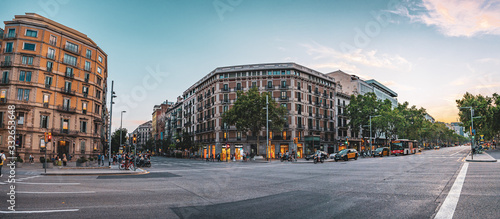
{"x": 456, "y": 17}
{"x": 369, "y": 58}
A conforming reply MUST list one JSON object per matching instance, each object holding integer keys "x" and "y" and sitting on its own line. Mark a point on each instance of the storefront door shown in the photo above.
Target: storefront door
{"x": 226, "y": 154}
{"x": 271, "y": 151}
{"x": 300, "y": 151}
{"x": 284, "y": 149}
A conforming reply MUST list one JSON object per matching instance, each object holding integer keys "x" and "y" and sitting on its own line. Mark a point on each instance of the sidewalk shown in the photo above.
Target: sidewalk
{"x": 483, "y": 157}
{"x": 72, "y": 170}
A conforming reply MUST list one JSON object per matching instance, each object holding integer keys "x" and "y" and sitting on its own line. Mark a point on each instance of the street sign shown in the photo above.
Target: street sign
{"x": 481, "y": 137}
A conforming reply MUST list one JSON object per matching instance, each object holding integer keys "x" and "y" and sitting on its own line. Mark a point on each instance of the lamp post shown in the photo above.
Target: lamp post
{"x": 472, "y": 126}
{"x": 110, "y": 116}
{"x": 371, "y": 130}
{"x": 121, "y": 119}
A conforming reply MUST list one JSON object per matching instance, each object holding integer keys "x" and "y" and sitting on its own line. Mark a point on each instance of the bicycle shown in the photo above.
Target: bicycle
{"x": 127, "y": 166}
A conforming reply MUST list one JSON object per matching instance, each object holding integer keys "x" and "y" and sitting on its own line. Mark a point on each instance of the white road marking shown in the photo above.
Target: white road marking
{"x": 447, "y": 209}
{"x": 41, "y": 211}
{"x": 60, "y": 184}
{"x": 83, "y": 192}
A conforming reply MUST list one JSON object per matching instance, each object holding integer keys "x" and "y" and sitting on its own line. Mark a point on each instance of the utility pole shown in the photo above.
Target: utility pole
{"x": 267, "y": 127}
{"x": 121, "y": 119}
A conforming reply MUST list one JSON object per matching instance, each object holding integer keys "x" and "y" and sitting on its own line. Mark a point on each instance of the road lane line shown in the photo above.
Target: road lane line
{"x": 41, "y": 211}
{"x": 447, "y": 209}
{"x": 60, "y": 184}
{"x": 84, "y": 192}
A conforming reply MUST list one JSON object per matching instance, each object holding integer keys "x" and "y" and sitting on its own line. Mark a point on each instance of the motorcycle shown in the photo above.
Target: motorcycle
{"x": 286, "y": 158}
{"x": 318, "y": 158}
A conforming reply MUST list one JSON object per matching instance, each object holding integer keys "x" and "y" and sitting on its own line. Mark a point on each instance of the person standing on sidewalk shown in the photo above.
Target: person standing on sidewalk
{"x": 2, "y": 158}
{"x": 64, "y": 160}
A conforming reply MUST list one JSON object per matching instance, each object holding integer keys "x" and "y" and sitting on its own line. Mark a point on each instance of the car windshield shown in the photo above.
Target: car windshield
{"x": 379, "y": 149}
{"x": 342, "y": 152}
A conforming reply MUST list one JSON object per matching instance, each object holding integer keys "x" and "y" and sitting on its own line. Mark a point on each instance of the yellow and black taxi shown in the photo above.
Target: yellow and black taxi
{"x": 346, "y": 154}
{"x": 380, "y": 152}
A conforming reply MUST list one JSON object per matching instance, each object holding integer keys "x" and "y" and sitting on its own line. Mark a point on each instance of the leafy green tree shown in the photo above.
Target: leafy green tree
{"x": 248, "y": 113}
{"x": 115, "y": 139}
{"x": 484, "y": 106}
{"x": 359, "y": 110}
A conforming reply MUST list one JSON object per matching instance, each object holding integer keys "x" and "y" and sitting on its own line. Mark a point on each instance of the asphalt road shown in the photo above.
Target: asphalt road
{"x": 411, "y": 186}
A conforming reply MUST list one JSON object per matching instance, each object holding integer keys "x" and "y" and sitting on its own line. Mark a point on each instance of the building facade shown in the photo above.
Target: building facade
{"x": 55, "y": 77}
{"x": 143, "y": 132}
{"x": 308, "y": 95}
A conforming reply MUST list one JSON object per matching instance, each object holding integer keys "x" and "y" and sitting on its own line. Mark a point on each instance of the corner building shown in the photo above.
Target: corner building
{"x": 307, "y": 94}
{"x": 56, "y": 78}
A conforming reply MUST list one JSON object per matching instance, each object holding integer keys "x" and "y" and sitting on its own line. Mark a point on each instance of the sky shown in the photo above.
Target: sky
{"x": 429, "y": 51}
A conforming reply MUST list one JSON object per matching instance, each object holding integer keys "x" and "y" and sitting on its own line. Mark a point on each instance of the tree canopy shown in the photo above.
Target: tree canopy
{"x": 487, "y": 108}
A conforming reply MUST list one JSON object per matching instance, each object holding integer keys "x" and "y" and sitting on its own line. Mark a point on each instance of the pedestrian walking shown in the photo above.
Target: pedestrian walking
{"x": 2, "y": 159}
{"x": 32, "y": 160}
{"x": 102, "y": 159}
{"x": 99, "y": 160}
{"x": 64, "y": 160}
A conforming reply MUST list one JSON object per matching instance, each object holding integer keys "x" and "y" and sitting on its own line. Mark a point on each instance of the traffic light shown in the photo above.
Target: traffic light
{"x": 347, "y": 141}
{"x": 46, "y": 136}
{"x": 134, "y": 139}
{"x": 295, "y": 140}
{"x": 49, "y": 137}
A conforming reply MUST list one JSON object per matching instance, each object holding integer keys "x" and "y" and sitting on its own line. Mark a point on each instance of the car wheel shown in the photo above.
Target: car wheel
{"x": 381, "y": 155}
{"x": 356, "y": 157}
{"x": 335, "y": 160}
{"x": 346, "y": 158}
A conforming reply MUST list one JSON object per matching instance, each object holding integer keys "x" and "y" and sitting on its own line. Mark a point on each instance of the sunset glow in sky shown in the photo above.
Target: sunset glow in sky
{"x": 430, "y": 52}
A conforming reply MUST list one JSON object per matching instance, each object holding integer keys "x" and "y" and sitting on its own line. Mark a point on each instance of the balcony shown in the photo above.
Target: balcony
{"x": 3, "y": 100}
{"x": 64, "y": 132}
{"x": 46, "y": 105}
{"x": 71, "y": 49}
{"x": 8, "y": 50}
{"x": 283, "y": 99}
{"x": 6, "y": 64}
{"x": 239, "y": 88}
{"x": 49, "y": 70}
{"x": 66, "y": 109}
{"x": 89, "y": 69}
{"x": 86, "y": 80}
{"x": 85, "y": 95}
{"x": 52, "y": 42}
{"x": 200, "y": 108}
{"x": 269, "y": 87}
{"x": 225, "y": 90}
{"x": 284, "y": 87}
{"x": 9, "y": 36}
{"x": 47, "y": 86}
{"x": 300, "y": 126}
{"x": 67, "y": 91}
{"x": 69, "y": 75}
{"x": 4, "y": 81}
{"x": 51, "y": 56}
{"x": 318, "y": 116}
{"x": 225, "y": 101}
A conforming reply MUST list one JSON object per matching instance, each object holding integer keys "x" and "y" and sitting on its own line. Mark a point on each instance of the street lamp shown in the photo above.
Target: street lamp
{"x": 472, "y": 125}
{"x": 110, "y": 121}
{"x": 121, "y": 119}
{"x": 371, "y": 130}
{"x": 267, "y": 126}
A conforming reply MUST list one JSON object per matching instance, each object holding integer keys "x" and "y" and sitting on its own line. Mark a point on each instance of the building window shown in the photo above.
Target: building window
{"x": 298, "y": 85}
{"x": 88, "y": 54}
{"x": 98, "y": 94}
{"x": 46, "y": 98}
{"x": 84, "y": 107}
{"x": 51, "y": 54}
{"x": 70, "y": 60}
{"x": 270, "y": 84}
{"x": 87, "y": 66}
{"x": 8, "y": 47}
{"x": 23, "y": 94}
{"x": 20, "y": 119}
{"x": 83, "y": 126}
{"x": 12, "y": 33}
{"x": 48, "y": 81}
{"x": 238, "y": 136}
{"x": 283, "y": 84}
{"x": 27, "y": 60}
{"x": 99, "y": 70}
{"x": 283, "y": 95}
{"x": 71, "y": 47}
{"x": 53, "y": 40}
{"x": 49, "y": 66}
{"x": 238, "y": 86}
{"x": 29, "y": 46}
{"x": 85, "y": 90}
{"x": 100, "y": 59}
{"x": 99, "y": 81}
{"x": 82, "y": 146}
{"x": 67, "y": 86}
{"x": 97, "y": 109}
{"x": 44, "y": 121}
{"x": 31, "y": 33}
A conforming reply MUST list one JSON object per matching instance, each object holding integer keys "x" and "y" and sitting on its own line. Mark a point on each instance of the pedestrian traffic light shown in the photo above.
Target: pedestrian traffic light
{"x": 134, "y": 139}
{"x": 49, "y": 137}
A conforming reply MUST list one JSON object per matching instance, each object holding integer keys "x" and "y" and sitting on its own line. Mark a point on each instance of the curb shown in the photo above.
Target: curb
{"x": 491, "y": 161}
{"x": 95, "y": 174}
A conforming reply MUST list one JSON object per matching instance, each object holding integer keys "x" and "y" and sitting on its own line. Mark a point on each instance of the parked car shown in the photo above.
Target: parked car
{"x": 380, "y": 152}
{"x": 324, "y": 155}
{"x": 332, "y": 155}
{"x": 346, "y": 154}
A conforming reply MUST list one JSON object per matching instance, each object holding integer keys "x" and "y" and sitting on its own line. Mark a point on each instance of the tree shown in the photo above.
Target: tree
{"x": 248, "y": 113}
{"x": 115, "y": 139}
{"x": 484, "y": 106}
{"x": 359, "y": 110}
